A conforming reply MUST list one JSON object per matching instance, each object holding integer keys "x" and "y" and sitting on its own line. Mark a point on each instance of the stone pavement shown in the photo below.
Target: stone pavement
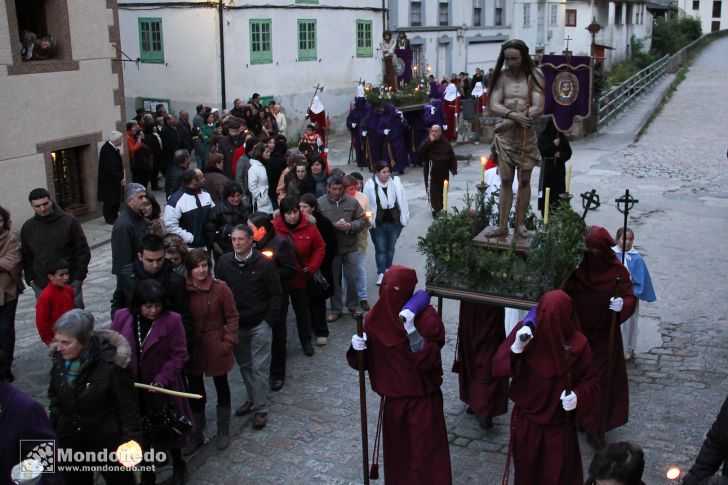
{"x": 677, "y": 381}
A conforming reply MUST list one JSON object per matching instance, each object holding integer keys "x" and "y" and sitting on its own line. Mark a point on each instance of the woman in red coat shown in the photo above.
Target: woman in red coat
{"x": 544, "y": 444}
{"x": 601, "y": 286}
{"x": 158, "y": 354}
{"x": 405, "y": 368}
{"x": 308, "y": 253}
{"x": 215, "y": 333}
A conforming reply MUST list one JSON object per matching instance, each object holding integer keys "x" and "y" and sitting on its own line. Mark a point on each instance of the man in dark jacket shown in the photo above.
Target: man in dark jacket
{"x": 129, "y": 228}
{"x": 184, "y": 130}
{"x": 173, "y": 176}
{"x": 714, "y": 452}
{"x": 439, "y": 161}
{"x": 110, "y": 177}
{"x": 150, "y": 264}
{"x": 254, "y": 281}
{"x": 228, "y": 144}
{"x": 170, "y": 142}
{"x": 555, "y": 152}
{"x": 49, "y": 235}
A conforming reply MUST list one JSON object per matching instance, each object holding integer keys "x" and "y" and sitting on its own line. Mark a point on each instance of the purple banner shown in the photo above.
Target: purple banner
{"x": 567, "y": 88}
{"x": 405, "y": 74}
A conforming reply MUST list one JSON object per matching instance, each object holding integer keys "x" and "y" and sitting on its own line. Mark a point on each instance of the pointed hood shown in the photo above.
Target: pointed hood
{"x": 316, "y": 105}
{"x": 383, "y": 320}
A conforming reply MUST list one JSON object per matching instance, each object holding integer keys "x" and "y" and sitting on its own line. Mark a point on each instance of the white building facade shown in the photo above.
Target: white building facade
{"x": 281, "y": 50}
{"x": 459, "y": 35}
{"x": 59, "y": 110}
{"x": 713, "y": 14}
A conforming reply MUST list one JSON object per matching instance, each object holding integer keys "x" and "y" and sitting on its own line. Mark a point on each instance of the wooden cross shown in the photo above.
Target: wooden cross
{"x": 590, "y": 201}
{"x": 567, "y": 39}
{"x": 624, "y": 205}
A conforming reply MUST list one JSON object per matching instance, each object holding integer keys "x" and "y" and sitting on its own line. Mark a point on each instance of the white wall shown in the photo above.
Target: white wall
{"x": 705, "y": 13}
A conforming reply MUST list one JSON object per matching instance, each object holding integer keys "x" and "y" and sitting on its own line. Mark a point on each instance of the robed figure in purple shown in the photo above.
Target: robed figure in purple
{"x": 393, "y": 128}
{"x": 434, "y": 114}
{"x": 372, "y": 140}
{"x": 417, "y": 134}
{"x": 354, "y": 122}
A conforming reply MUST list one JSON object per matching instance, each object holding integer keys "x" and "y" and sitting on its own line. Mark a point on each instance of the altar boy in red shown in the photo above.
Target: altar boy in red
{"x": 544, "y": 445}
{"x": 405, "y": 368}
{"x": 601, "y": 286}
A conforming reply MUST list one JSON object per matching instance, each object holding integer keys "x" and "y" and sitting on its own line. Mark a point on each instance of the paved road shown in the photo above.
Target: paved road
{"x": 677, "y": 382}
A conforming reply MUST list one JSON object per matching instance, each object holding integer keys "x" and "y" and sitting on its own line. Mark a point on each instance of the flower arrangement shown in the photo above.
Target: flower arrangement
{"x": 454, "y": 261}
{"x": 417, "y": 91}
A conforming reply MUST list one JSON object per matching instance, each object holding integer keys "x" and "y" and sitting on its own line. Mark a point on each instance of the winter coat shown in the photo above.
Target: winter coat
{"x": 309, "y": 247}
{"x": 220, "y": 225}
{"x": 215, "y": 182}
{"x": 714, "y": 452}
{"x": 328, "y": 234}
{"x": 164, "y": 354}
{"x": 206, "y": 133}
{"x": 174, "y": 286}
{"x": 11, "y": 269}
{"x": 170, "y": 144}
{"x": 279, "y": 250}
{"x": 111, "y": 172}
{"x": 370, "y": 190}
{"x": 255, "y": 286}
{"x": 173, "y": 178}
{"x": 258, "y": 186}
{"x": 100, "y": 409}
{"x": 55, "y": 236}
{"x": 186, "y": 214}
{"x": 350, "y": 210}
{"x": 215, "y": 327}
{"x": 23, "y": 421}
{"x": 126, "y": 238}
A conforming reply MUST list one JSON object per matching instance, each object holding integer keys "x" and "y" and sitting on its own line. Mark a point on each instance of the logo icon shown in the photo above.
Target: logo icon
{"x": 40, "y": 459}
{"x": 565, "y": 88}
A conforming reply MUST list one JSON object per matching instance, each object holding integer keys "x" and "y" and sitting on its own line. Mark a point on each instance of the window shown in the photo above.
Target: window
{"x": 696, "y": 4}
{"x": 66, "y": 166}
{"x": 570, "y": 20}
{"x": 477, "y": 17}
{"x": 498, "y": 19}
{"x": 553, "y": 15}
{"x": 364, "y": 38}
{"x": 261, "y": 46}
{"x": 416, "y": 14}
{"x": 526, "y": 14}
{"x": 306, "y": 39}
{"x": 715, "y": 25}
{"x": 629, "y": 16}
{"x": 150, "y": 40}
{"x": 716, "y": 9}
{"x": 443, "y": 14}
{"x": 417, "y": 59}
{"x": 618, "y": 14}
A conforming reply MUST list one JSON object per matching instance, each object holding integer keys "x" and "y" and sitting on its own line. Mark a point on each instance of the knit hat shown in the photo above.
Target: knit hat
{"x": 132, "y": 189}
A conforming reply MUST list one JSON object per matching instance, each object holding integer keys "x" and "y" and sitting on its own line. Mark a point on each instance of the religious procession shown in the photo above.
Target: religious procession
{"x": 251, "y": 215}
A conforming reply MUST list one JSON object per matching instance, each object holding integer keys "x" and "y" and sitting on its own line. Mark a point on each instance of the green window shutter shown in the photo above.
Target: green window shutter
{"x": 151, "y": 45}
{"x": 307, "y": 40}
{"x": 364, "y": 38}
{"x": 261, "y": 43}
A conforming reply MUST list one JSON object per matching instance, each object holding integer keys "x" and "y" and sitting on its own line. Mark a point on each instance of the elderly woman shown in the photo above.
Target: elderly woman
{"x": 215, "y": 318}
{"x": 11, "y": 283}
{"x": 93, "y": 405}
{"x": 158, "y": 354}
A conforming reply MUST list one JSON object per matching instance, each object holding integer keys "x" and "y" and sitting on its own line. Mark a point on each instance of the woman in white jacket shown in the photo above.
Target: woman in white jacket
{"x": 258, "y": 179}
{"x": 390, "y": 213}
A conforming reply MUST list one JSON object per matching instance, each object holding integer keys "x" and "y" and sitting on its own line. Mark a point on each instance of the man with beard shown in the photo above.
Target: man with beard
{"x": 517, "y": 97}
{"x": 228, "y": 144}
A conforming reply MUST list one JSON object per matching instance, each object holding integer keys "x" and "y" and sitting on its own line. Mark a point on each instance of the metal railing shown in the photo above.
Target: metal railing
{"x": 617, "y": 98}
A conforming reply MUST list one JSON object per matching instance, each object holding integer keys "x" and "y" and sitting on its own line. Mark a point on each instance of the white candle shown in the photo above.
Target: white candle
{"x": 568, "y": 179}
{"x": 444, "y": 195}
{"x": 546, "y": 207}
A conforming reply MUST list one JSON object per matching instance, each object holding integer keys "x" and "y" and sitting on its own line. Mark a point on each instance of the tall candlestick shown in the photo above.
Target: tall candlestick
{"x": 546, "y": 207}
{"x": 482, "y": 170}
{"x": 445, "y": 185}
{"x": 568, "y": 179}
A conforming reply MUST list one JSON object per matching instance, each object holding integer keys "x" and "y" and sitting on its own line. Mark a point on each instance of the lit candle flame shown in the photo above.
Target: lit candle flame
{"x": 129, "y": 453}
{"x": 368, "y": 213}
{"x": 673, "y": 473}
{"x": 267, "y": 253}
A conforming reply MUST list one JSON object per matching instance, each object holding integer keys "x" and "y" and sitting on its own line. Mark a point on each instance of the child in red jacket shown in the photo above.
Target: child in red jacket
{"x": 55, "y": 300}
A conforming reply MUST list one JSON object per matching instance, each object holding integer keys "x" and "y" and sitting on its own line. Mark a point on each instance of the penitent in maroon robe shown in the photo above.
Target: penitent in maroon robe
{"x": 591, "y": 286}
{"x": 480, "y": 333}
{"x": 416, "y": 450}
{"x": 544, "y": 450}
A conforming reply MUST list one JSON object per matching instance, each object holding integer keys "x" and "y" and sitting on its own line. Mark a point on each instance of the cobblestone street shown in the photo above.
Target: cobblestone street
{"x": 677, "y": 170}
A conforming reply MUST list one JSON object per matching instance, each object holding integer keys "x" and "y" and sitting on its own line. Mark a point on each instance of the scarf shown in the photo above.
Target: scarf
{"x": 73, "y": 367}
{"x": 388, "y": 199}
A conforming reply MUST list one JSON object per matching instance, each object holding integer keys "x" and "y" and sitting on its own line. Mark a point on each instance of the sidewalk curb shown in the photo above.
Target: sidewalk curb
{"x": 653, "y": 112}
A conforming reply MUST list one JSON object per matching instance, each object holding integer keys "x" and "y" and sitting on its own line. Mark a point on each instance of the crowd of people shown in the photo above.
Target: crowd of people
{"x": 204, "y": 283}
